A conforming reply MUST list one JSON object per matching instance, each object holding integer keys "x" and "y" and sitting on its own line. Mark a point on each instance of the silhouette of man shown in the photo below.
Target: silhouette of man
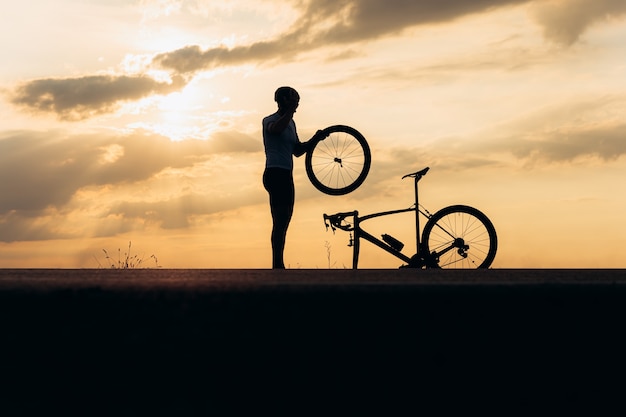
{"x": 281, "y": 141}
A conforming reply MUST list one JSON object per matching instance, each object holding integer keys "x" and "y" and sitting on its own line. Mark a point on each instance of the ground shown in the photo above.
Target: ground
{"x": 309, "y": 342}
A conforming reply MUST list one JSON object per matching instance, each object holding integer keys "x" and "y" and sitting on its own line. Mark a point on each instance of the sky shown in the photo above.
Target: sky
{"x": 138, "y": 123}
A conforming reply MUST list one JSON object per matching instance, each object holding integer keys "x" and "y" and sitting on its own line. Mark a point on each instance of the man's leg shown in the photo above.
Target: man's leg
{"x": 281, "y": 216}
{"x": 279, "y": 184}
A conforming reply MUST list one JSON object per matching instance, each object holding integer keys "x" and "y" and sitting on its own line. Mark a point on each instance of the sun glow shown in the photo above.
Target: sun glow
{"x": 178, "y": 115}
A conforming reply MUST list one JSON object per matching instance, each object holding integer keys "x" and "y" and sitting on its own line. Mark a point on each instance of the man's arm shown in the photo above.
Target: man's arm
{"x": 282, "y": 122}
{"x": 302, "y": 148}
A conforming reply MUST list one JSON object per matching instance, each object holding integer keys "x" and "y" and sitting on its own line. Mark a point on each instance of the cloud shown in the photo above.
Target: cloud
{"x": 541, "y": 140}
{"x": 56, "y": 185}
{"x": 177, "y": 212}
{"x": 46, "y": 169}
{"x": 232, "y": 141}
{"x": 606, "y": 143}
{"x": 15, "y": 226}
{"x": 354, "y": 21}
{"x": 170, "y": 214}
{"x": 321, "y": 23}
{"x": 564, "y": 21}
{"x": 589, "y": 128}
{"x": 329, "y": 22}
{"x": 192, "y": 58}
{"x": 83, "y": 97}
{"x": 562, "y": 145}
{"x": 342, "y": 22}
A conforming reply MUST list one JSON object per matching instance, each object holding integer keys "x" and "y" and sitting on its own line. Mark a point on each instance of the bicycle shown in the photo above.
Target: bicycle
{"x": 457, "y": 236}
{"x": 339, "y": 163}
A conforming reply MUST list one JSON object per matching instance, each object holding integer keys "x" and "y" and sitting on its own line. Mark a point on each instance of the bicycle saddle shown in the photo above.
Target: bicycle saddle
{"x": 417, "y": 174}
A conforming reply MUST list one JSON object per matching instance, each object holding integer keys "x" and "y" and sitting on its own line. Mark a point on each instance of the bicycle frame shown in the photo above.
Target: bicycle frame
{"x": 336, "y": 219}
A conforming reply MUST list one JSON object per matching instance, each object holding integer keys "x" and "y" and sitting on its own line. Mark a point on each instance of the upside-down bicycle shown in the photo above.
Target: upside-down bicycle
{"x": 457, "y": 236}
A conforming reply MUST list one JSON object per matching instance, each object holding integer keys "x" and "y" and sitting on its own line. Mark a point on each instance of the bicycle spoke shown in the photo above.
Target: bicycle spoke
{"x": 339, "y": 163}
{"x": 461, "y": 237}
{"x": 332, "y": 172}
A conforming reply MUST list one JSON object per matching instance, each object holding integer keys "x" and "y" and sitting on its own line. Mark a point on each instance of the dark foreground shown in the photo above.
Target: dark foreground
{"x": 311, "y": 342}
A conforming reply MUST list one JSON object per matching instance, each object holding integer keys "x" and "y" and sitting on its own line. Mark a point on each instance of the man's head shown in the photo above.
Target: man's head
{"x": 286, "y": 97}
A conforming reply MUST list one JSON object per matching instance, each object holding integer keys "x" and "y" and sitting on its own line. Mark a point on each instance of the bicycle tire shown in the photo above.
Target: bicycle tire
{"x": 470, "y": 225}
{"x": 338, "y": 164}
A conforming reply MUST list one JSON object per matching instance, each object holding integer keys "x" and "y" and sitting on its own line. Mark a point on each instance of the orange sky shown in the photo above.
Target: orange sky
{"x": 139, "y": 121}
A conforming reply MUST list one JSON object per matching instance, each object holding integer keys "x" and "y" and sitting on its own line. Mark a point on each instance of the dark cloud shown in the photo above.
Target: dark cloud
{"x": 41, "y": 170}
{"x": 565, "y": 21}
{"x": 321, "y": 23}
{"x": 192, "y": 58}
{"x": 330, "y": 22}
{"x": 558, "y": 146}
{"x": 342, "y": 22}
{"x": 169, "y": 214}
{"x": 82, "y": 97}
{"x": 16, "y": 226}
{"x": 605, "y": 143}
{"x": 369, "y": 19}
{"x": 175, "y": 213}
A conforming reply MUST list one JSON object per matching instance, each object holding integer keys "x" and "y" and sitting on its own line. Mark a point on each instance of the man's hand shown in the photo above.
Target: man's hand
{"x": 306, "y": 146}
{"x": 291, "y": 103}
{"x": 320, "y": 135}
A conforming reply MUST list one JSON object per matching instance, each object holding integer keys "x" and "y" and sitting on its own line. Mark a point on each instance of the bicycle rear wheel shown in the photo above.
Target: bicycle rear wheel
{"x": 460, "y": 237}
{"x": 340, "y": 163}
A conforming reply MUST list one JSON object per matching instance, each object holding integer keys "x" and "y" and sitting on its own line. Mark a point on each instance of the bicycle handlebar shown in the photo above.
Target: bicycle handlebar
{"x": 335, "y": 221}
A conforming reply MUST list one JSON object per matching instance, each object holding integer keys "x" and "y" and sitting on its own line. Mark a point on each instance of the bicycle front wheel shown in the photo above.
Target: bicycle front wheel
{"x": 338, "y": 164}
{"x": 460, "y": 237}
